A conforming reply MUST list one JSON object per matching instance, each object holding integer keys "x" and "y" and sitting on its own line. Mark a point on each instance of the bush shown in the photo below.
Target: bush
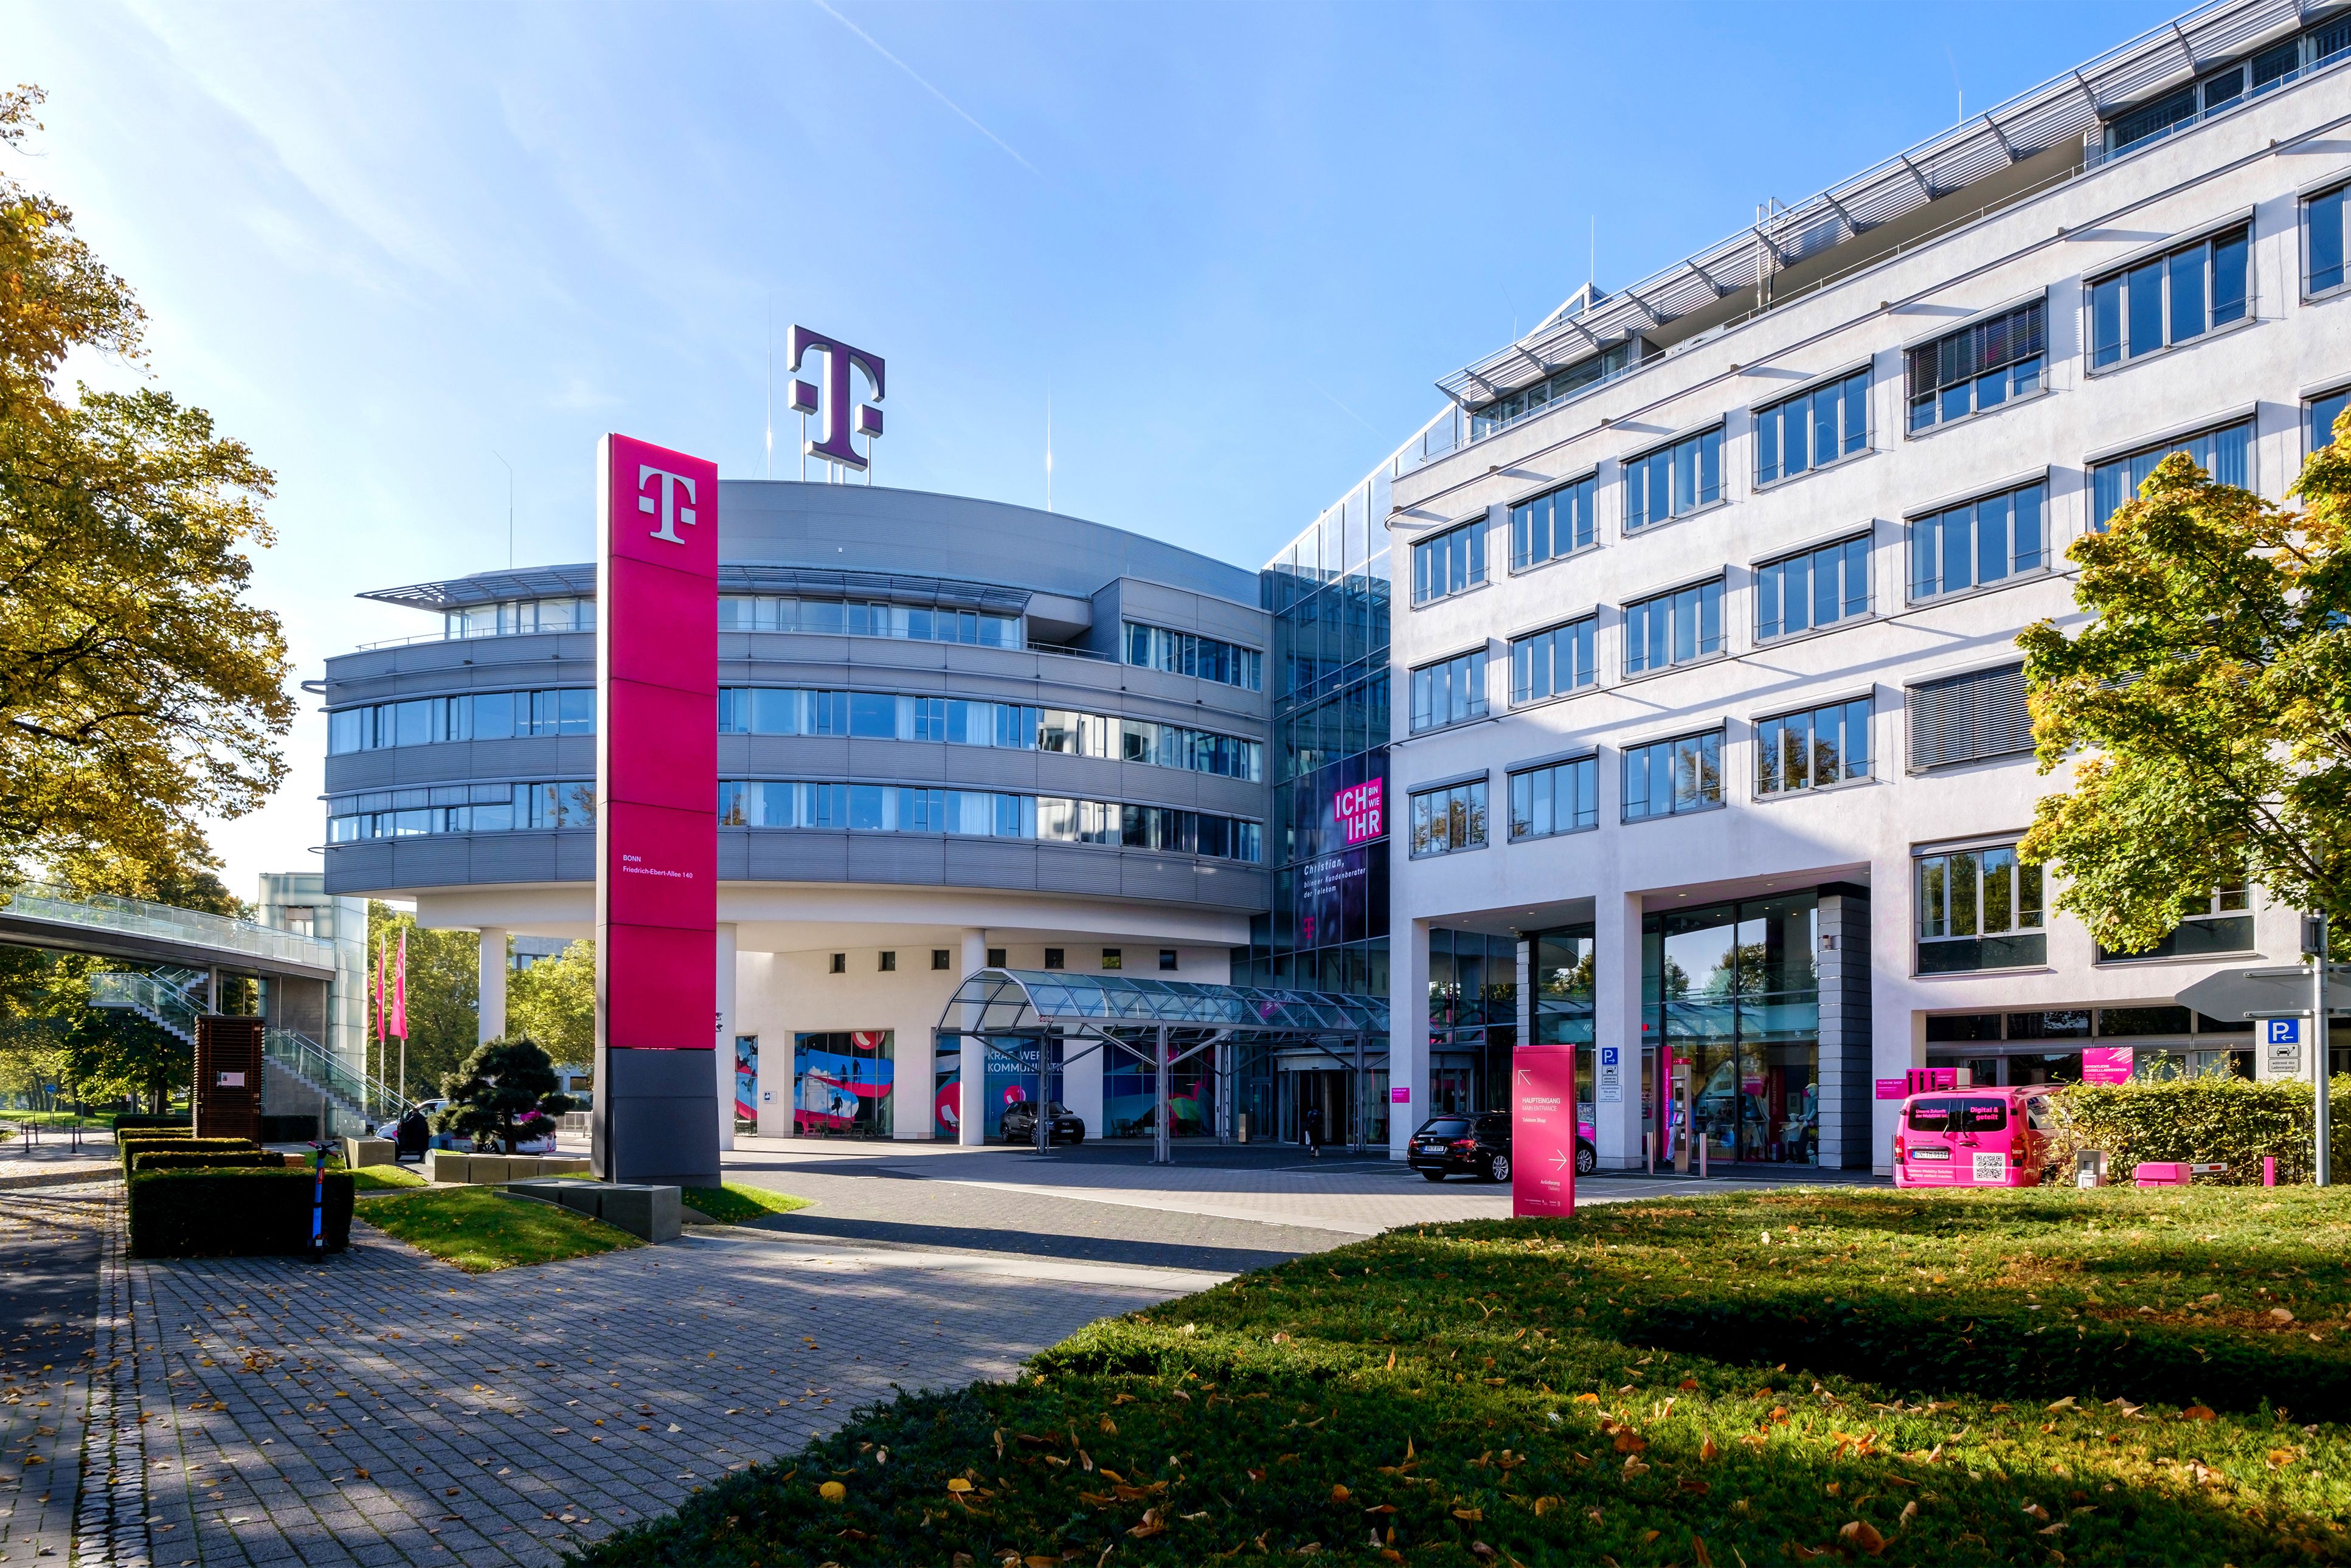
{"x": 2234, "y": 1121}
{"x": 131, "y": 1120}
{"x": 234, "y": 1213}
{"x": 180, "y": 1143}
{"x": 154, "y": 1159}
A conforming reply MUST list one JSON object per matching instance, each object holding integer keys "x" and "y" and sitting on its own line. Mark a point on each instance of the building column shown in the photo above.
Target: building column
{"x": 1407, "y": 1029}
{"x": 1081, "y": 1082}
{"x": 776, "y": 1062}
{"x": 971, "y": 1109}
{"x": 1847, "y": 1105}
{"x": 490, "y": 1014}
{"x": 1617, "y": 1122}
{"x": 724, "y": 1052}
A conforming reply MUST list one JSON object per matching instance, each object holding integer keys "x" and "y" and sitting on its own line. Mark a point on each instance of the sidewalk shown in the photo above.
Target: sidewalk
{"x": 50, "y": 1157}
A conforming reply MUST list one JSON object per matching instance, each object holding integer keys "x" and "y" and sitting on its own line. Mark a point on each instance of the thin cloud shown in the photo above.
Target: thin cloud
{"x": 927, "y": 88}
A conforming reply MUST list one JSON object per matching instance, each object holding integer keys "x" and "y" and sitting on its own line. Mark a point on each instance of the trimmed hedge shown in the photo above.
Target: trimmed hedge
{"x": 245, "y": 1212}
{"x": 153, "y": 1159}
{"x": 129, "y": 1120}
{"x": 178, "y": 1144}
{"x": 2210, "y": 1118}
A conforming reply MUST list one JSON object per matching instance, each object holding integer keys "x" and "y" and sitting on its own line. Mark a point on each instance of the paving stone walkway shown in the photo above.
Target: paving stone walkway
{"x": 48, "y": 1286}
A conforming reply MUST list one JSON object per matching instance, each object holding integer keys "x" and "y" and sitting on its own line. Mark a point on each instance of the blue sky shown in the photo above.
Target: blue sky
{"x": 1233, "y": 244}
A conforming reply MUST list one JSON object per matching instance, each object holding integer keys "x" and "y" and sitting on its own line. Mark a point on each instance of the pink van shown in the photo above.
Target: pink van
{"x": 1971, "y": 1137}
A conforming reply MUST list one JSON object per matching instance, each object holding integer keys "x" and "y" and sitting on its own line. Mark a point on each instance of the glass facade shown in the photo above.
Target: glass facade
{"x": 1729, "y": 993}
{"x": 1473, "y": 1020}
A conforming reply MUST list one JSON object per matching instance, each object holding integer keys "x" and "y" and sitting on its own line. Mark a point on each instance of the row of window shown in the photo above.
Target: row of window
{"x": 482, "y": 716}
{"x": 460, "y": 809}
{"x": 1954, "y": 719}
{"x": 849, "y": 618}
{"x": 988, "y": 814}
{"x": 2151, "y": 304}
{"x": 2265, "y": 71}
{"x": 518, "y": 616}
{"x": 1188, "y": 653}
{"x": 881, "y": 715}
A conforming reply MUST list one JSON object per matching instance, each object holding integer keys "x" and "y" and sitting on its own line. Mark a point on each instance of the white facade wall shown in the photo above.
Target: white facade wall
{"x": 2254, "y": 161}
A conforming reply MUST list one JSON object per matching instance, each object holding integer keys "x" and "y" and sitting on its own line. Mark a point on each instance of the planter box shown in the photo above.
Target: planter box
{"x": 648, "y": 1213}
{"x": 359, "y": 1151}
{"x": 496, "y": 1170}
{"x": 443, "y": 1165}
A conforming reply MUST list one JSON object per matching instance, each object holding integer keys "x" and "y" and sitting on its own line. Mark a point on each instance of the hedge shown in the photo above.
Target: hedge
{"x": 234, "y": 1213}
{"x": 129, "y": 1120}
{"x": 154, "y": 1159}
{"x": 167, "y": 1143}
{"x": 2213, "y": 1118}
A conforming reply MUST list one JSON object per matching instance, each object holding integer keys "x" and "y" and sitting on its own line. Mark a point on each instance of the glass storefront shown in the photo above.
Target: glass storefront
{"x": 1473, "y": 1020}
{"x": 1560, "y": 970}
{"x": 843, "y": 1084}
{"x": 1011, "y": 1078}
{"x": 1730, "y": 990}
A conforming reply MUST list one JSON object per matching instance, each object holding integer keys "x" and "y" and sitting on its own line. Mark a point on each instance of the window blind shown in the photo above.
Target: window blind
{"x": 2018, "y": 334}
{"x": 1966, "y": 718}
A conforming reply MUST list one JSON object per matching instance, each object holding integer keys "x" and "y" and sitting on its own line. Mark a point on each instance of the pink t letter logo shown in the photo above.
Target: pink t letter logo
{"x": 670, "y": 512}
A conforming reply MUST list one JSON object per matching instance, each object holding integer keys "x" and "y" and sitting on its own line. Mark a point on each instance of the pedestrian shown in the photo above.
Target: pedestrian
{"x": 1313, "y": 1124}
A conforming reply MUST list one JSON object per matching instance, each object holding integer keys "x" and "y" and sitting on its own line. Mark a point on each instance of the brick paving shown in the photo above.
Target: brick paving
{"x": 49, "y": 1243}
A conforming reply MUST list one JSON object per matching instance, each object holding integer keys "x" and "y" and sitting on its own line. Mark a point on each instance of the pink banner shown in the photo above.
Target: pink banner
{"x": 1359, "y": 811}
{"x": 656, "y": 749}
{"x": 2106, "y": 1064}
{"x": 1542, "y": 1131}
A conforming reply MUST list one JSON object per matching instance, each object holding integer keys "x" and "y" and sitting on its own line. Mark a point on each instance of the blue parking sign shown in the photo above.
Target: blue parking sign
{"x": 2281, "y": 1031}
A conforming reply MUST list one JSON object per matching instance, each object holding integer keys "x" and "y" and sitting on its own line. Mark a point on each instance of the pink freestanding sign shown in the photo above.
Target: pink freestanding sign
{"x": 656, "y": 1110}
{"x": 1542, "y": 1131}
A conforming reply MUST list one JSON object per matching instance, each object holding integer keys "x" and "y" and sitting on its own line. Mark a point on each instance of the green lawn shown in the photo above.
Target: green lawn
{"x": 1834, "y": 1374}
{"x": 736, "y": 1203}
{"x": 479, "y": 1229}
{"x": 381, "y": 1178}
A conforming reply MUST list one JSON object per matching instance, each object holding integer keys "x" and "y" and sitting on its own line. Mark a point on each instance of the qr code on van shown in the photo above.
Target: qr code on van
{"x": 1991, "y": 1167}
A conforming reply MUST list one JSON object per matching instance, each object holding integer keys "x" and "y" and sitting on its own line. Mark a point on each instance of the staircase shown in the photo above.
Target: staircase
{"x": 167, "y": 999}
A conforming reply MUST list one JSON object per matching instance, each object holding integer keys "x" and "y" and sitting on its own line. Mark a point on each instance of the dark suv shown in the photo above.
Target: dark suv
{"x": 1477, "y": 1145}
{"x": 1062, "y": 1127}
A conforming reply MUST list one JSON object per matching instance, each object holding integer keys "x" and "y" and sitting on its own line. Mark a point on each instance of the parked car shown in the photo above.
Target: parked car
{"x": 1063, "y": 1126}
{"x": 431, "y": 1108}
{"x": 1972, "y": 1137}
{"x": 1477, "y": 1146}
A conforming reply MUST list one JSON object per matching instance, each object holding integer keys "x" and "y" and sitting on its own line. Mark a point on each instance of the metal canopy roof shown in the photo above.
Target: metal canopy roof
{"x": 2065, "y": 109}
{"x": 746, "y": 576}
{"x": 1011, "y": 1002}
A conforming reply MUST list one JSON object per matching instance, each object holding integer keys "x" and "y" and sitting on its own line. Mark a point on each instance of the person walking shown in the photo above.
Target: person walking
{"x": 1312, "y": 1123}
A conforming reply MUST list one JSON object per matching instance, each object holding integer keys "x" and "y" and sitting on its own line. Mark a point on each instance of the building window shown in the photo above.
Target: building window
{"x": 2226, "y": 455}
{"x": 1969, "y": 718}
{"x": 1167, "y": 960}
{"x": 977, "y": 813}
{"x": 1452, "y": 562}
{"x": 1818, "y": 587}
{"x": 841, "y": 618}
{"x": 996, "y": 958}
{"x": 1977, "y": 368}
{"x": 2267, "y": 71}
{"x": 1979, "y": 543}
{"x": 1813, "y": 749}
{"x": 2169, "y": 300}
{"x": 1564, "y": 798}
{"x": 2322, "y": 237}
{"x": 1979, "y": 909}
{"x": 1553, "y": 662}
{"x": 889, "y": 963}
{"x": 1450, "y": 692}
{"x": 518, "y": 617}
{"x": 1450, "y": 819}
{"x": 1551, "y": 525}
{"x": 1813, "y": 430}
{"x": 2220, "y": 922}
{"x": 1674, "y": 628}
{"x": 2321, "y": 413}
{"x": 1186, "y": 653}
{"x": 460, "y": 809}
{"x": 1605, "y": 366}
{"x": 487, "y": 715}
{"x": 1672, "y": 778}
{"x": 840, "y": 963}
{"x": 941, "y": 959}
{"x": 1053, "y": 958}
{"x": 1114, "y": 958}
{"x": 1673, "y": 481}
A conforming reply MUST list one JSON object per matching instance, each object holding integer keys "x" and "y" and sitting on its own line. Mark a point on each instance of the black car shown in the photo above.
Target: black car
{"x": 1062, "y": 1127}
{"x": 1476, "y": 1146}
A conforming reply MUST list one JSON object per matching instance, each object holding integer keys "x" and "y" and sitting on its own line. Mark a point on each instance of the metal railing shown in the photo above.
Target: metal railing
{"x": 347, "y": 1089}
{"x": 138, "y": 916}
{"x": 152, "y": 996}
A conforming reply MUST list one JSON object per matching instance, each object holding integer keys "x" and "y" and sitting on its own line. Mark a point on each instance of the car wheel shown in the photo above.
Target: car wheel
{"x": 1498, "y": 1167}
{"x": 1432, "y": 1176}
{"x": 1587, "y": 1159}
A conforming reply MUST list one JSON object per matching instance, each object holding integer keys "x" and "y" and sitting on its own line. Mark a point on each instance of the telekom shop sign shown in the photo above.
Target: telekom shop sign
{"x": 656, "y": 812}
{"x": 1358, "y": 812}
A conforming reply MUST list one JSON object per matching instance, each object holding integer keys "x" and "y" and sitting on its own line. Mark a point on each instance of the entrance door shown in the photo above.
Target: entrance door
{"x": 1321, "y": 1094}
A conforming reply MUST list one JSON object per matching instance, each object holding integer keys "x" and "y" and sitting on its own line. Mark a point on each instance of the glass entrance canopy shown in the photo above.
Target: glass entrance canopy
{"x": 1013, "y": 1002}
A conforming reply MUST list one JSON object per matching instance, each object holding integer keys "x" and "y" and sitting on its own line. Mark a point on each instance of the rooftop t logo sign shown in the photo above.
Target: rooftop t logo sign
{"x": 671, "y": 486}
{"x": 835, "y": 442}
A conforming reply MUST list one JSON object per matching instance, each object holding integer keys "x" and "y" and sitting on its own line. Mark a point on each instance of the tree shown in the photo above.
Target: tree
{"x": 114, "y": 1050}
{"x": 138, "y": 689}
{"x": 42, "y": 996}
{"x": 501, "y": 1084}
{"x": 554, "y": 1002}
{"x": 444, "y": 993}
{"x": 2205, "y": 708}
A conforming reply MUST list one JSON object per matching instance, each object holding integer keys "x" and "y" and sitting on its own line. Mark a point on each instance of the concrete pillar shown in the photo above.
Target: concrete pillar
{"x": 1407, "y": 1029}
{"x": 725, "y": 1041}
{"x": 971, "y": 1128}
{"x": 1082, "y": 1081}
{"x": 1847, "y": 1098}
{"x": 490, "y": 1013}
{"x": 1617, "y": 1123}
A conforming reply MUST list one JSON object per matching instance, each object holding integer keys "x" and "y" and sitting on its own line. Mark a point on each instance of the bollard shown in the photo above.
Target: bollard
{"x": 1701, "y": 1156}
{"x": 1649, "y": 1153}
{"x": 2268, "y": 1170}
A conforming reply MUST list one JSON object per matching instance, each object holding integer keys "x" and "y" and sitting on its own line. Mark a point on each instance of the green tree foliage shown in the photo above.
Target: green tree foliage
{"x": 42, "y": 996}
{"x": 444, "y": 995}
{"x": 500, "y": 1083}
{"x": 113, "y": 1050}
{"x": 138, "y": 689}
{"x": 2204, "y": 708}
{"x": 554, "y": 1002}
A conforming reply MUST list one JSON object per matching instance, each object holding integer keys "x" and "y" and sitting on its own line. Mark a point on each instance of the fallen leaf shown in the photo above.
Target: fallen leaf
{"x": 1695, "y": 1489}
{"x": 1688, "y": 1384}
{"x": 2279, "y": 1314}
{"x": 1909, "y": 1513}
{"x": 2037, "y": 1511}
{"x": 1863, "y": 1537}
{"x": 1586, "y": 1399}
{"x": 1707, "y": 1451}
{"x": 1474, "y": 1515}
{"x": 833, "y": 1492}
{"x": 2065, "y": 1404}
{"x": 1629, "y": 1441}
{"x": 955, "y": 1483}
{"x": 1697, "y": 1549}
{"x": 1338, "y": 1494}
{"x": 2196, "y": 1413}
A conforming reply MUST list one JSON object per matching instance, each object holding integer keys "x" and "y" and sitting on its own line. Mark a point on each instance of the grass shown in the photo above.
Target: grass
{"x": 2033, "y": 1377}
{"x": 370, "y": 1179}
{"x": 735, "y": 1204}
{"x": 480, "y": 1230}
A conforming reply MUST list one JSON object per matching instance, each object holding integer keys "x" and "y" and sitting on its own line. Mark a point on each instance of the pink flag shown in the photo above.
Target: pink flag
{"x": 400, "y": 989}
{"x": 381, "y": 1025}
